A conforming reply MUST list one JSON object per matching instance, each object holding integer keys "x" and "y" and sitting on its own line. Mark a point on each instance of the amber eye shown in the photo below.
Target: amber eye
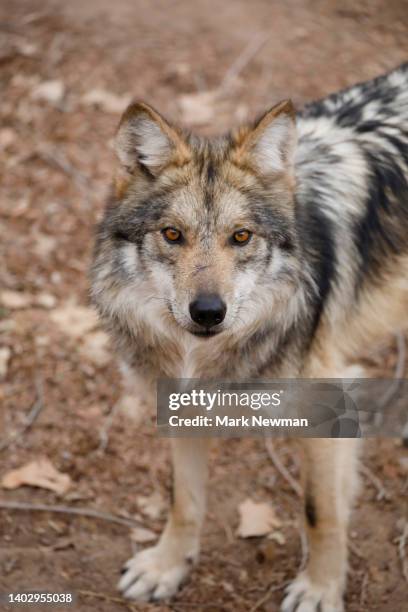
{"x": 241, "y": 237}
{"x": 172, "y": 234}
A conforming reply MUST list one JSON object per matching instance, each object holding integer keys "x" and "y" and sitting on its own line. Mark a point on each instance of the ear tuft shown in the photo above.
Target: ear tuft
{"x": 144, "y": 138}
{"x": 271, "y": 143}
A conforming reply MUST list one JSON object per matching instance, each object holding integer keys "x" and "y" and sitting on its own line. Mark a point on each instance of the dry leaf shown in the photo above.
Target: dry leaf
{"x": 49, "y": 91}
{"x": 8, "y": 325}
{"x": 26, "y": 48}
{"x": 95, "y": 348}
{"x": 152, "y": 505}
{"x": 64, "y": 543}
{"x": 7, "y": 137}
{"x": 278, "y": 537}
{"x": 44, "y": 245}
{"x": 5, "y": 354}
{"x": 45, "y": 300}
{"x": 15, "y": 299}
{"x": 133, "y": 408}
{"x": 141, "y": 535}
{"x": 40, "y": 473}
{"x": 198, "y": 108}
{"x": 106, "y": 100}
{"x": 256, "y": 519}
{"x": 74, "y": 320}
{"x": 403, "y": 461}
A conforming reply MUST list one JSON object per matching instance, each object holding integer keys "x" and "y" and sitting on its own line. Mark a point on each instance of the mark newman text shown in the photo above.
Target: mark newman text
{"x": 242, "y": 421}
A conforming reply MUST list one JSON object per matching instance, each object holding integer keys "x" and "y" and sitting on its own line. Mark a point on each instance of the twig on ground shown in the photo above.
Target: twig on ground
{"x": 274, "y": 457}
{"x": 268, "y": 593}
{"x": 57, "y": 159}
{"x": 31, "y": 417}
{"x": 353, "y": 548}
{"x": 243, "y": 59}
{"x": 104, "y": 431}
{"x": 89, "y": 512}
{"x": 398, "y": 375}
{"x": 382, "y": 493}
{"x": 402, "y": 542}
{"x": 363, "y": 592}
{"x": 104, "y": 597}
{"x": 191, "y": 604}
{"x": 304, "y": 548}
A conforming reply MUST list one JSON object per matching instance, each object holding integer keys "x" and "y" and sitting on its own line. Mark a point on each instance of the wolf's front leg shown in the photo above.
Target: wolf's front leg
{"x": 330, "y": 476}
{"x": 157, "y": 572}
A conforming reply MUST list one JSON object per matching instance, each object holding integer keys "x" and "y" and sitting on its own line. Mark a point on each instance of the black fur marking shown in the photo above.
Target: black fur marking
{"x": 382, "y": 231}
{"x": 351, "y": 114}
{"x": 211, "y": 172}
{"x": 208, "y": 199}
{"x": 190, "y": 560}
{"x": 310, "y": 510}
{"x": 271, "y": 222}
{"x": 121, "y": 236}
{"x": 345, "y": 110}
{"x": 171, "y": 492}
{"x": 316, "y": 232}
{"x": 132, "y": 223}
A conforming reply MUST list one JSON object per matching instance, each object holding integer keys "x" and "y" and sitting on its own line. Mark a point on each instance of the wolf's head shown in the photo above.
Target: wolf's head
{"x": 200, "y": 234}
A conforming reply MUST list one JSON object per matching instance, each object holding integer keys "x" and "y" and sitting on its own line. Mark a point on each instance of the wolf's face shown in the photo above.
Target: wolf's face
{"x": 200, "y": 233}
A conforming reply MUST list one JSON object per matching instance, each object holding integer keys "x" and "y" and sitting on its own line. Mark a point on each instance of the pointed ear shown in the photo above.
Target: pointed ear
{"x": 145, "y": 139}
{"x": 270, "y": 145}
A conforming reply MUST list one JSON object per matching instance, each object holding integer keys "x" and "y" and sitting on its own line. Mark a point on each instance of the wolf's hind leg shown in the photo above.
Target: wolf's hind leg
{"x": 330, "y": 483}
{"x": 157, "y": 572}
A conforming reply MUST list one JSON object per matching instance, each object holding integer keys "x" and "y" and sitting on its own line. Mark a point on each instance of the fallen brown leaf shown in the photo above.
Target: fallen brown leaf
{"x": 5, "y": 354}
{"x": 198, "y": 108}
{"x": 256, "y": 519}
{"x": 15, "y": 300}
{"x": 74, "y": 320}
{"x": 39, "y": 473}
{"x": 152, "y": 505}
{"x": 141, "y": 535}
{"x": 106, "y": 100}
{"x": 49, "y": 91}
{"x": 95, "y": 348}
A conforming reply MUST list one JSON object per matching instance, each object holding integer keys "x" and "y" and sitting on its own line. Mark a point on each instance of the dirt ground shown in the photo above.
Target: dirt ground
{"x": 56, "y": 165}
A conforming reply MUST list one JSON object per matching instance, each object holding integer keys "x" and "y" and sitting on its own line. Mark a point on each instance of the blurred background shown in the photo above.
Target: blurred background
{"x": 67, "y": 70}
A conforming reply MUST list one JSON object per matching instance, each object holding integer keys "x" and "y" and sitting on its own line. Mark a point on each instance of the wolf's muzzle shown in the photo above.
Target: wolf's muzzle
{"x": 208, "y": 310}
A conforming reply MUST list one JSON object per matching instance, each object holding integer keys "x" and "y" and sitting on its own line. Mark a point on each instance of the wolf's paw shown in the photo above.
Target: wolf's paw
{"x": 305, "y": 596}
{"x": 154, "y": 573}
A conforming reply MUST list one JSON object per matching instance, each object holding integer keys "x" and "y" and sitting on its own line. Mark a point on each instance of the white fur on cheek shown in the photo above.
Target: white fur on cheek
{"x": 129, "y": 258}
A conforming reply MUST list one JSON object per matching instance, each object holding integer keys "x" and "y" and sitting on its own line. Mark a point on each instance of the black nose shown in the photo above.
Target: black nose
{"x": 208, "y": 310}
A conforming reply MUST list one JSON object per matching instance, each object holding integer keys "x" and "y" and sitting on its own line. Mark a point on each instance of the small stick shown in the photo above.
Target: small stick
{"x": 363, "y": 592}
{"x": 402, "y": 541}
{"x": 104, "y": 431}
{"x": 281, "y": 468}
{"x": 398, "y": 376}
{"x": 353, "y": 549}
{"x": 89, "y": 512}
{"x": 58, "y": 160}
{"x": 192, "y": 604}
{"x": 304, "y": 548}
{"x": 243, "y": 59}
{"x": 382, "y": 493}
{"x": 268, "y": 593}
{"x": 118, "y": 600}
{"x": 31, "y": 417}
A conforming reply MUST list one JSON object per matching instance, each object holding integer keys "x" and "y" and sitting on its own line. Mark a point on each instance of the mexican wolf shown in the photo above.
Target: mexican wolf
{"x": 279, "y": 250}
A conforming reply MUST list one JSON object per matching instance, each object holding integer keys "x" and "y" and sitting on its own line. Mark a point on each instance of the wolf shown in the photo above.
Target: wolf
{"x": 278, "y": 250}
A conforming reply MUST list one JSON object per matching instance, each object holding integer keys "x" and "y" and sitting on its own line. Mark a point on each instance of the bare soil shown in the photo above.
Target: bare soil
{"x": 56, "y": 167}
